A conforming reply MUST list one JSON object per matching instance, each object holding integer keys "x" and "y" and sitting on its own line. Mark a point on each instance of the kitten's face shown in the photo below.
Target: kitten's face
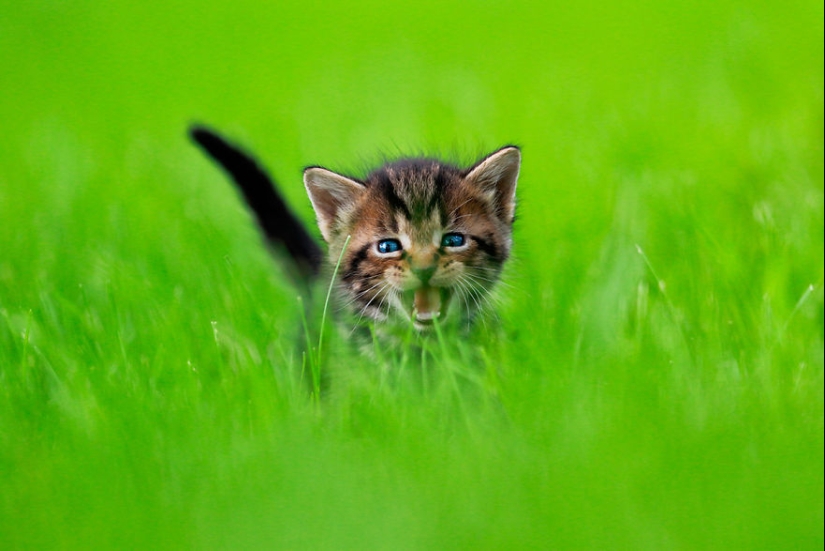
{"x": 427, "y": 240}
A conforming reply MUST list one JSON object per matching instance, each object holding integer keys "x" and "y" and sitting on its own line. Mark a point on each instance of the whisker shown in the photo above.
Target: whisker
{"x": 465, "y": 292}
{"x": 363, "y": 310}
{"x": 352, "y": 299}
{"x": 478, "y": 277}
{"x": 480, "y": 297}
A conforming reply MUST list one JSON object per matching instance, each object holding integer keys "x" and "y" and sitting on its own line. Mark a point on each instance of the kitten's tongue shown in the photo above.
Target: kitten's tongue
{"x": 427, "y": 303}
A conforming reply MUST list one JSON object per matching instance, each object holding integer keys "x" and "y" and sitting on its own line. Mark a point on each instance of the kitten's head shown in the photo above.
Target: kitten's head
{"x": 427, "y": 238}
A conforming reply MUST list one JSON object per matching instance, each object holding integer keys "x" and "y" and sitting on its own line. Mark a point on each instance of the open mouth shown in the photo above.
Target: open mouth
{"x": 429, "y": 304}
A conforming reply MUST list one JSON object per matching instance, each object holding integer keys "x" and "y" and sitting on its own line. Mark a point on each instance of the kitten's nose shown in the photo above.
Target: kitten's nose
{"x": 423, "y": 266}
{"x": 424, "y": 274}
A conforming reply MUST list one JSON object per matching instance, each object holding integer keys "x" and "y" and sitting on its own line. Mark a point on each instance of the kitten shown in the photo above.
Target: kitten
{"x": 419, "y": 240}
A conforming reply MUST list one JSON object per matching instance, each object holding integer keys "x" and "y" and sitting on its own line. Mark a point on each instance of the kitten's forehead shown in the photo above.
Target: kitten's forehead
{"x": 415, "y": 188}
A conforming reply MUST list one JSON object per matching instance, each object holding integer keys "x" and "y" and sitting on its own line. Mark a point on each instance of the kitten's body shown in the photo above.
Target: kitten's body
{"x": 424, "y": 239}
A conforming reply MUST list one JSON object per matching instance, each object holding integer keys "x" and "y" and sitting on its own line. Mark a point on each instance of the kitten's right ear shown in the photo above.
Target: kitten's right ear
{"x": 331, "y": 195}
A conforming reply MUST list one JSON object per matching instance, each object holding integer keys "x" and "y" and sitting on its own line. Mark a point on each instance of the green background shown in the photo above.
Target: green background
{"x": 658, "y": 379}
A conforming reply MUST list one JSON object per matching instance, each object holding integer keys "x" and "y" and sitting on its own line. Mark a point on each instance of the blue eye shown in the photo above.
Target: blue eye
{"x": 387, "y": 246}
{"x": 452, "y": 240}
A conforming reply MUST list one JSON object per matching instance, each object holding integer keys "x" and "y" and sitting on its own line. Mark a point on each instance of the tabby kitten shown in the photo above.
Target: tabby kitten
{"x": 419, "y": 240}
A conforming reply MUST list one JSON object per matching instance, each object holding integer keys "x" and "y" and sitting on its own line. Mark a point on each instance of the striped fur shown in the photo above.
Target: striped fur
{"x": 418, "y": 202}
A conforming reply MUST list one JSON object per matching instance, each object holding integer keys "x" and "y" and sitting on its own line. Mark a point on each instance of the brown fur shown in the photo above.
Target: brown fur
{"x": 417, "y": 202}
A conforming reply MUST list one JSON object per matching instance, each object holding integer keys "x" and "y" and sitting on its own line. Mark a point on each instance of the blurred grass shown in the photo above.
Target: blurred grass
{"x": 659, "y": 383}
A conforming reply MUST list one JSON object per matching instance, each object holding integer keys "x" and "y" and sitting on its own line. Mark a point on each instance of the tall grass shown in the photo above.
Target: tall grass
{"x": 653, "y": 380}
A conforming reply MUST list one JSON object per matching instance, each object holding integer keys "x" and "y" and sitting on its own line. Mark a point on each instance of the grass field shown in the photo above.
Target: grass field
{"x": 658, "y": 379}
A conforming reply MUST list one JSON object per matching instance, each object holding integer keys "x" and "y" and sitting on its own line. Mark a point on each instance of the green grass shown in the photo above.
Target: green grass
{"x": 658, "y": 379}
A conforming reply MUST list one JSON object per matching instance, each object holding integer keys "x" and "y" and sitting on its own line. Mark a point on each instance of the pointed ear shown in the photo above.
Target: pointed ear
{"x": 495, "y": 176}
{"x": 330, "y": 193}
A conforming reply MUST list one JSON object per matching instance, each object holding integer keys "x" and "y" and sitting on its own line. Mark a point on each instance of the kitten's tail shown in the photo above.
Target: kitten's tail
{"x": 277, "y": 222}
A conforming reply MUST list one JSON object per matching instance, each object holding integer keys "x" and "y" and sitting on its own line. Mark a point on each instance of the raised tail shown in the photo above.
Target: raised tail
{"x": 277, "y": 222}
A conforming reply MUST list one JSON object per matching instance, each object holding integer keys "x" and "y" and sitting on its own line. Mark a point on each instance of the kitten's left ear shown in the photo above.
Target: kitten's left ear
{"x": 496, "y": 177}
